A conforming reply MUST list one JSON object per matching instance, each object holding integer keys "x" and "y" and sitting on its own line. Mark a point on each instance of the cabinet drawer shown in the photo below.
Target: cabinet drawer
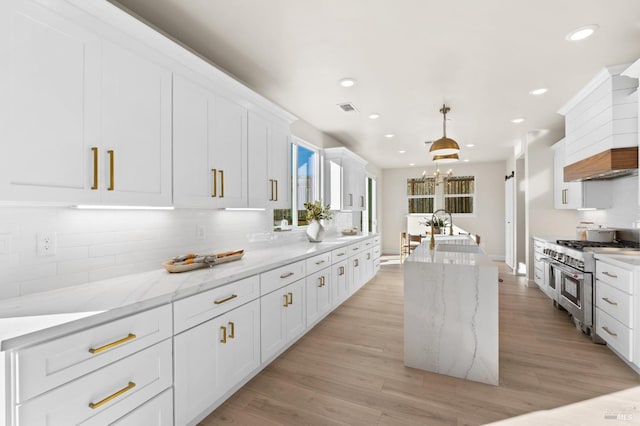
{"x": 376, "y": 240}
{"x": 202, "y": 307}
{"x": 614, "y": 333}
{"x": 315, "y": 263}
{"x": 47, "y": 365}
{"x": 614, "y": 302}
{"x": 103, "y": 395}
{"x": 376, "y": 251}
{"x": 618, "y": 277}
{"x": 157, "y": 412}
{"x": 353, "y": 249}
{"x": 538, "y": 246}
{"x": 276, "y": 278}
{"x": 339, "y": 255}
{"x": 367, "y": 244}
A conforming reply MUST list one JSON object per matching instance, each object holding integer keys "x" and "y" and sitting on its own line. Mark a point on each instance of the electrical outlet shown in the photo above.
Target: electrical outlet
{"x": 200, "y": 234}
{"x": 47, "y": 243}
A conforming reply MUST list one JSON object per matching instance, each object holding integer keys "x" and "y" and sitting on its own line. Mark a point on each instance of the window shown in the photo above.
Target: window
{"x": 459, "y": 193}
{"x": 305, "y": 183}
{"x": 421, "y": 193}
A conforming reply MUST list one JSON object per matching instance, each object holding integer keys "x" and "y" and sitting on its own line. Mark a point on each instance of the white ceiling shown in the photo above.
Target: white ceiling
{"x": 408, "y": 57}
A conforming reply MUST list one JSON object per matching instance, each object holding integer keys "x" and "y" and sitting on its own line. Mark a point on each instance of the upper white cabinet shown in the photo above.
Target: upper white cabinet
{"x": 576, "y": 195}
{"x": 83, "y": 120}
{"x": 345, "y": 187}
{"x": 269, "y": 162}
{"x": 209, "y": 148}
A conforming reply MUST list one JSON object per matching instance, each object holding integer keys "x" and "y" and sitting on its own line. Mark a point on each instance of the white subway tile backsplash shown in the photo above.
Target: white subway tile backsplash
{"x": 85, "y": 265}
{"x": 53, "y": 283}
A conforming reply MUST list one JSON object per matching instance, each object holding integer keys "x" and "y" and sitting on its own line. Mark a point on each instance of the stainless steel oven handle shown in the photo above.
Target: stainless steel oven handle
{"x": 575, "y": 273}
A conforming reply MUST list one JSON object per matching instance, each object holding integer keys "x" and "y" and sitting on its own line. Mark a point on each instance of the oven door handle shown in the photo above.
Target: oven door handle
{"x": 574, "y": 273}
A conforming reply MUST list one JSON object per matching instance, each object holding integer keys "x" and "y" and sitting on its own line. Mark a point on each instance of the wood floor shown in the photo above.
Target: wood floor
{"x": 348, "y": 370}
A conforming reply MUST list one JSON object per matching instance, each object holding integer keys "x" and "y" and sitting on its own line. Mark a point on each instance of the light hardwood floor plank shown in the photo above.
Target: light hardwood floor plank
{"x": 349, "y": 370}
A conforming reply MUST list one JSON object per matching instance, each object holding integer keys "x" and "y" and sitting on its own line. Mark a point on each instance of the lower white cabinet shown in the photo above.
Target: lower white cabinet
{"x": 282, "y": 317}
{"x": 354, "y": 274}
{"x": 156, "y": 412}
{"x": 339, "y": 283}
{"x": 212, "y": 358}
{"x": 318, "y": 291}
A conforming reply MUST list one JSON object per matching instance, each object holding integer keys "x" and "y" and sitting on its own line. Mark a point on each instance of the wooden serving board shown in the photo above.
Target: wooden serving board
{"x": 225, "y": 257}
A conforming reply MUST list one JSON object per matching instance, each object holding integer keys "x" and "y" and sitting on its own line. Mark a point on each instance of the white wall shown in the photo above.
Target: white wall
{"x": 488, "y": 221}
{"x": 624, "y": 211}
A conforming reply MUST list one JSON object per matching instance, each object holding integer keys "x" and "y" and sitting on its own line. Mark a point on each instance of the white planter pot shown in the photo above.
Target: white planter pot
{"x": 315, "y": 231}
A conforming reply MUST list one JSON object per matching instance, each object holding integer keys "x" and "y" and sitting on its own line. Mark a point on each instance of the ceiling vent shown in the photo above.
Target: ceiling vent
{"x": 348, "y": 107}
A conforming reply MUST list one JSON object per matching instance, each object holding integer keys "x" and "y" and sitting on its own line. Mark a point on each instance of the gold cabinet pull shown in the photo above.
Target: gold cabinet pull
{"x": 609, "y": 274}
{"x": 362, "y": 201}
{"x": 356, "y": 262}
{"x": 94, "y": 405}
{"x": 341, "y": 254}
{"x": 221, "y": 183}
{"x": 232, "y": 326}
{"x": 605, "y": 328}
{"x": 276, "y": 181}
{"x": 341, "y": 270}
{"x": 319, "y": 262}
{"x": 214, "y": 189}
{"x": 320, "y": 284}
{"x": 112, "y": 178}
{"x": 271, "y": 183}
{"x": 224, "y": 334}
{"x": 95, "y": 168}
{"x": 290, "y": 299}
{"x": 368, "y": 256}
{"x": 564, "y": 196}
{"x": 94, "y": 351}
{"x": 226, "y": 299}
{"x": 286, "y": 275}
{"x": 350, "y": 200}
{"x": 286, "y": 301}
{"x": 606, "y": 299}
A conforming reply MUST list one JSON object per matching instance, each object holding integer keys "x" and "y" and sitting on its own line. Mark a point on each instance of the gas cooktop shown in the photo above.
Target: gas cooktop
{"x": 582, "y": 244}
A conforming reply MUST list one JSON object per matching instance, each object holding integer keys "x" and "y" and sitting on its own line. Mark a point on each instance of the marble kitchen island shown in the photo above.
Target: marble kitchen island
{"x": 451, "y": 310}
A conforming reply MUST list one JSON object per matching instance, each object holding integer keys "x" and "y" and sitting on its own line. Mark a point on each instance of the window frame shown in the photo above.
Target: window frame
{"x": 413, "y": 197}
{"x": 472, "y": 196}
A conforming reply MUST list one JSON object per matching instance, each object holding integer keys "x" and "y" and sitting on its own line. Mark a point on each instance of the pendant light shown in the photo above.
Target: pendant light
{"x": 444, "y": 146}
{"x": 451, "y": 158}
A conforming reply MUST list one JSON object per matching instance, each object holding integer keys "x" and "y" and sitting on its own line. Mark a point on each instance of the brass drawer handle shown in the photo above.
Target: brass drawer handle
{"x": 95, "y": 168}
{"x": 368, "y": 256}
{"x": 272, "y": 192}
{"x": 232, "y": 326}
{"x": 290, "y": 298}
{"x": 224, "y": 334}
{"x": 226, "y": 299}
{"x": 112, "y": 178}
{"x": 606, "y": 299}
{"x": 221, "y": 183}
{"x": 131, "y": 336}
{"x": 320, "y": 262}
{"x": 355, "y": 248}
{"x": 286, "y": 275}
{"x": 214, "y": 190}
{"x": 286, "y": 301}
{"x": 276, "y": 181}
{"x": 605, "y": 328}
{"x": 356, "y": 263}
{"x": 100, "y": 403}
{"x": 341, "y": 270}
{"x": 609, "y": 274}
{"x": 340, "y": 254}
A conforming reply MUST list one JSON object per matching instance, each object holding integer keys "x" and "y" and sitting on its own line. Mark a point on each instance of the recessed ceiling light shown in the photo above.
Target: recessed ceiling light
{"x": 347, "y": 82}
{"x": 389, "y": 135}
{"x": 518, "y": 120}
{"x": 402, "y": 151}
{"x": 538, "y": 92}
{"x": 470, "y": 145}
{"x": 374, "y": 116}
{"x": 466, "y": 160}
{"x": 582, "y": 32}
{"x": 412, "y": 164}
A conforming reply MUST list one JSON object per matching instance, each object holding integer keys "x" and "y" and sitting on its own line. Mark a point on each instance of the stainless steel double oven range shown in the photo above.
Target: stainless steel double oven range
{"x": 569, "y": 275}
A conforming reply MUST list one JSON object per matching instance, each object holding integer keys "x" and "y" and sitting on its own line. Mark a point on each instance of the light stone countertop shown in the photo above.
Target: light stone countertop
{"x": 623, "y": 260}
{"x": 32, "y": 318}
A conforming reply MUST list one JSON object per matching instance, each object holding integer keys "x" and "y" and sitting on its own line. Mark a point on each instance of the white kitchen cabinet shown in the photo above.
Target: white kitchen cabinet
{"x": 576, "y": 195}
{"x": 156, "y": 412}
{"x": 354, "y": 273}
{"x": 283, "y": 315}
{"x": 345, "y": 179}
{"x": 269, "y": 162}
{"x": 539, "y": 265}
{"x": 340, "y": 284}
{"x": 318, "y": 295}
{"x": 87, "y": 121}
{"x": 209, "y": 148}
{"x": 211, "y": 358}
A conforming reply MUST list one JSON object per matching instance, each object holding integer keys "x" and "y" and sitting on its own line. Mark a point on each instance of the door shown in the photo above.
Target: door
{"x": 509, "y": 230}
{"x": 49, "y": 108}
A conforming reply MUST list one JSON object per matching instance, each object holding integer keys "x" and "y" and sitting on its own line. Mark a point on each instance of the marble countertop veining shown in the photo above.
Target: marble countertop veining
{"x": 454, "y": 250}
{"x": 32, "y": 318}
{"x": 624, "y": 260}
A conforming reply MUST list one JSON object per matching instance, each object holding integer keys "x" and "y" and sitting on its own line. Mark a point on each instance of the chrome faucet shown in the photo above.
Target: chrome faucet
{"x": 432, "y": 244}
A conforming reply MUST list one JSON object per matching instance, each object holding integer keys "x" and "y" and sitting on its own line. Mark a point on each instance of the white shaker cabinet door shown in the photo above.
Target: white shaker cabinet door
{"x": 135, "y": 129}
{"x": 318, "y": 295}
{"x": 49, "y": 105}
{"x": 278, "y": 157}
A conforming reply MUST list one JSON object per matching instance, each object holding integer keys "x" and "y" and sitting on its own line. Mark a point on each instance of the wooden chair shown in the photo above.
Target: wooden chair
{"x": 407, "y": 244}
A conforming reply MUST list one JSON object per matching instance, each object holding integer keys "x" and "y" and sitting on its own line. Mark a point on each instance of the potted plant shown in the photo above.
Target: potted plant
{"x": 438, "y": 224}
{"x": 315, "y": 213}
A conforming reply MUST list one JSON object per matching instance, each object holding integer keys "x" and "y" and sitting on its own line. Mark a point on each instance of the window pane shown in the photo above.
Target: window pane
{"x": 305, "y": 172}
{"x": 421, "y": 186}
{"x": 421, "y": 205}
{"x": 279, "y": 214}
{"x": 460, "y": 185}
{"x": 459, "y": 204}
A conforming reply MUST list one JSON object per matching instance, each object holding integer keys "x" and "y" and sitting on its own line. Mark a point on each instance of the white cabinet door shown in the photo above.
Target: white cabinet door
{"x": 157, "y": 412}
{"x": 296, "y": 315}
{"x": 135, "y": 129}
{"x": 49, "y": 107}
{"x": 354, "y": 274}
{"x": 211, "y": 358}
{"x": 273, "y": 322}
{"x": 339, "y": 283}
{"x": 279, "y": 158}
{"x": 318, "y": 294}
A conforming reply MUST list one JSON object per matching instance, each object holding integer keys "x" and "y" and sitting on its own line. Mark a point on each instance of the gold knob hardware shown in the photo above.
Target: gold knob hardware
{"x": 224, "y": 334}
{"x": 286, "y": 275}
{"x": 131, "y": 336}
{"x": 226, "y": 299}
{"x": 112, "y": 177}
{"x": 221, "y": 183}
{"x": 232, "y": 326}
{"x": 286, "y": 301}
{"x": 94, "y": 405}
{"x": 605, "y": 328}
{"x": 95, "y": 168}
{"x": 291, "y": 298}
{"x": 214, "y": 189}
{"x": 606, "y": 299}
{"x": 609, "y": 274}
